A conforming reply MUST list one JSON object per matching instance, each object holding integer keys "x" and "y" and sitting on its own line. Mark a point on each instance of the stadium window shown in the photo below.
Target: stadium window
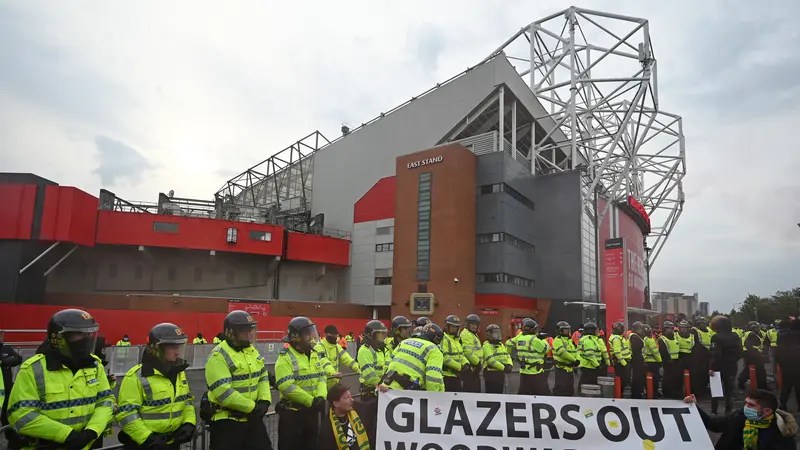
{"x": 383, "y": 281}
{"x": 382, "y": 231}
{"x": 380, "y": 248}
{"x": 165, "y": 227}
{"x": 513, "y": 193}
{"x": 265, "y": 236}
{"x": 112, "y": 270}
{"x": 505, "y": 278}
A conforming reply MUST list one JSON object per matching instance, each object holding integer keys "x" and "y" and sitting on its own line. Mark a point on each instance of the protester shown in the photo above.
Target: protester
{"x": 787, "y": 353}
{"x": 726, "y": 348}
{"x": 760, "y": 425}
{"x": 8, "y": 360}
{"x": 349, "y": 424}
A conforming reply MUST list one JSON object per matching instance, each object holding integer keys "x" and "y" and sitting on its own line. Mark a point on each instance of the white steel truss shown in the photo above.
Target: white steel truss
{"x": 596, "y": 75}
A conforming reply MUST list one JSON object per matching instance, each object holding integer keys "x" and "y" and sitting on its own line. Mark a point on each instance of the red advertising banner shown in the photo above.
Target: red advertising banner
{"x": 614, "y": 283}
{"x": 488, "y": 312}
{"x": 254, "y": 307}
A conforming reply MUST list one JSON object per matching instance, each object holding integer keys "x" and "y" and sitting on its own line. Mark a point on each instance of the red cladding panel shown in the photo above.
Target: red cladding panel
{"x": 316, "y": 248}
{"x": 504, "y": 301}
{"x": 16, "y": 210}
{"x": 377, "y": 203}
{"x": 69, "y": 215}
{"x": 635, "y": 269}
{"x": 126, "y": 228}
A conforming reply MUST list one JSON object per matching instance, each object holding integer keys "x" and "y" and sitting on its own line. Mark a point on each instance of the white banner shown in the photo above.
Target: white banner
{"x": 416, "y": 420}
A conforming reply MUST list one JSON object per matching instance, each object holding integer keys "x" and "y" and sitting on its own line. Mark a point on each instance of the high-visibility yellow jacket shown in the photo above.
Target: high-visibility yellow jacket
{"x": 704, "y": 337}
{"x": 650, "y": 350}
{"x": 759, "y": 347}
{"x": 390, "y": 345}
{"x": 150, "y": 403}
{"x": 592, "y": 351}
{"x": 495, "y": 356}
{"x": 2, "y": 390}
{"x": 564, "y": 353}
{"x": 48, "y": 401}
{"x": 217, "y": 340}
{"x": 453, "y": 355}
{"x": 531, "y": 352}
{"x": 330, "y": 355}
{"x": 620, "y": 349}
{"x": 300, "y": 378}
{"x": 372, "y": 364}
{"x": 349, "y": 338}
{"x": 772, "y": 335}
{"x": 422, "y": 361}
{"x": 236, "y": 380}
{"x": 471, "y": 345}
{"x": 685, "y": 344}
{"x": 121, "y": 343}
{"x": 199, "y": 341}
{"x": 673, "y": 346}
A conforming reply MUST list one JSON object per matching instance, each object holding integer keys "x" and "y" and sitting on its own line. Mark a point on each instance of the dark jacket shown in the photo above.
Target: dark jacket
{"x": 779, "y": 435}
{"x": 8, "y": 360}
{"x": 726, "y": 349}
{"x": 367, "y": 411}
{"x": 788, "y": 351}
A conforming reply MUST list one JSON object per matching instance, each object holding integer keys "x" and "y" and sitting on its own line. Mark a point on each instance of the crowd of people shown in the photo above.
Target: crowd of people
{"x": 63, "y": 396}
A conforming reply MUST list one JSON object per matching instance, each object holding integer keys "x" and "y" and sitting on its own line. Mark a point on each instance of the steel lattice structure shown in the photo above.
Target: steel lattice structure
{"x": 596, "y": 74}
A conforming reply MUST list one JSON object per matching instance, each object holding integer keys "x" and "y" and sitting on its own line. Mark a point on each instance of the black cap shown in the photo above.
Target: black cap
{"x": 331, "y": 329}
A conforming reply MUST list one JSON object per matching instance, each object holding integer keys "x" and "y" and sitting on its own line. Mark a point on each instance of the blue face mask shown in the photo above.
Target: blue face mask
{"x": 751, "y": 414}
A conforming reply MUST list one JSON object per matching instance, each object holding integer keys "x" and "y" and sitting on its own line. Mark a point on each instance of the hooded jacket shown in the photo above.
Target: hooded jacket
{"x": 726, "y": 348}
{"x": 779, "y": 435}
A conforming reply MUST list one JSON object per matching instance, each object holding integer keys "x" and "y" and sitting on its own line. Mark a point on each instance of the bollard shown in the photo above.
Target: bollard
{"x": 617, "y": 387}
{"x": 650, "y": 391}
{"x": 687, "y": 383}
{"x": 753, "y": 381}
{"x": 779, "y": 376}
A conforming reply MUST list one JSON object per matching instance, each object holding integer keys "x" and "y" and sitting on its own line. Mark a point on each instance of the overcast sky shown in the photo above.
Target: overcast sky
{"x": 143, "y": 97}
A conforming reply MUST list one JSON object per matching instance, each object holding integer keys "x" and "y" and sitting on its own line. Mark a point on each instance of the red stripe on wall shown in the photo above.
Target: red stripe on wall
{"x": 316, "y": 248}
{"x": 69, "y": 215}
{"x": 377, "y": 203}
{"x": 504, "y": 301}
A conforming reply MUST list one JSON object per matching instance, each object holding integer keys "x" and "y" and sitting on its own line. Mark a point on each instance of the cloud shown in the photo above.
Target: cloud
{"x": 152, "y": 96}
{"x": 119, "y": 161}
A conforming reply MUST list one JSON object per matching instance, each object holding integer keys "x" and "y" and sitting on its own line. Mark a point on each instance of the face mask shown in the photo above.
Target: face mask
{"x": 330, "y": 339}
{"x": 751, "y": 414}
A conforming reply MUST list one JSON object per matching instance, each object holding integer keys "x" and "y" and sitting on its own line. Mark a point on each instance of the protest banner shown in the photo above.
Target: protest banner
{"x": 418, "y": 420}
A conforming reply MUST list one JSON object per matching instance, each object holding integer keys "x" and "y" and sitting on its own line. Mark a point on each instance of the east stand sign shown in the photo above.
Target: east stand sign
{"x": 414, "y": 420}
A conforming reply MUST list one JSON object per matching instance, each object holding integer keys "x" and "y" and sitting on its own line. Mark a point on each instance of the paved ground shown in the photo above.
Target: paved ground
{"x": 198, "y": 385}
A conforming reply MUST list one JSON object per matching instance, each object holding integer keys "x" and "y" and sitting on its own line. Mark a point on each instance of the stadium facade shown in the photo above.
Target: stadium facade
{"x": 542, "y": 182}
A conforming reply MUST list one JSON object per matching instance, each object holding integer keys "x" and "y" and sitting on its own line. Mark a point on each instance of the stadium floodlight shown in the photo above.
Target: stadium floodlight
{"x": 596, "y": 75}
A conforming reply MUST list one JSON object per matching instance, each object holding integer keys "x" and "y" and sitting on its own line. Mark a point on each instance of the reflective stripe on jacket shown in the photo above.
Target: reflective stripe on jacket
{"x": 650, "y": 351}
{"x": 531, "y": 352}
{"x": 685, "y": 344}
{"x": 152, "y": 404}
{"x": 620, "y": 349}
{"x": 565, "y": 353}
{"x": 236, "y": 380}
{"x": 591, "y": 351}
{"x": 673, "y": 347}
{"x": 421, "y": 361}
{"x": 330, "y": 355}
{"x": 453, "y": 356}
{"x": 495, "y": 356}
{"x": 300, "y": 377}
{"x": 372, "y": 364}
{"x": 471, "y": 345}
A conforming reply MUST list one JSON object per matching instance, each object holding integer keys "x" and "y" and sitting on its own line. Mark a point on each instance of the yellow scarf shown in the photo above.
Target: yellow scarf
{"x": 355, "y": 425}
{"x": 750, "y": 432}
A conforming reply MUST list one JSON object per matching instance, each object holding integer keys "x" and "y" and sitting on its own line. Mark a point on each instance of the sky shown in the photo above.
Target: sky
{"x": 146, "y": 97}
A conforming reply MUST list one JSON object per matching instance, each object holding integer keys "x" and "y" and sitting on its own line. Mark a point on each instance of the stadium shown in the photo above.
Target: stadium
{"x": 544, "y": 181}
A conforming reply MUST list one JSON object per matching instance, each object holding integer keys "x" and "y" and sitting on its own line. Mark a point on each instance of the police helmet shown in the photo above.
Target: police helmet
{"x": 618, "y": 328}
{"x": 302, "y": 331}
{"x": 432, "y": 333}
{"x": 493, "y": 333}
{"x": 529, "y": 326}
{"x": 421, "y": 321}
{"x": 73, "y": 333}
{"x": 590, "y": 328}
{"x": 417, "y": 333}
{"x": 375, "y": 332}
{"x": 167, "y": 335}
{"x": 684, "y": 324}
{"x": 753, "y": 325}
{"x": 668, "y": 325}
{"x": 638, "y": 327}
{"x": 401, "y": 322}
{"x": 240, "y": 328}
{"x": 701, "y": 322}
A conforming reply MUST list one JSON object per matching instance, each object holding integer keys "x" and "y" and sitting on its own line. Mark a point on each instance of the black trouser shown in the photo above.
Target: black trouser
{"x": 589, "y": 376}
{"x": 533, "y": 384}
{"x": 791, "y": 380}
{"x": 471, "y": 381}
{"x": 728, "y": 390}
{"x": 638, "y": 379}
{"x": 134, "y": 446}
{"x": 673, "y": 379}
{"x": 296, "y": 429}
{"x": 699, "y": 370}
{"x": 452, "y": 384}
{"x": 564, "y": 385}
{"x": 761, "y": 374}
{"x": 494, "y": 380}
{"x": 654, "y": 369}
{"x": 623, "y": 373}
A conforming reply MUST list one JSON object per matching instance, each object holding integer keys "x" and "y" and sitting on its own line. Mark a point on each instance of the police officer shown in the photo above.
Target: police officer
{"x": 156, "y": 408}
{"x": 454, "y": 361}
{"x": 301, "y": 382}
{"x": 638, "y": 367}
{"x": 417, "y": 362}
{"x": 753, "y": 347}
{"x": 473, "y": 353}
{"x": 620, "y": 353}
{"x": 565, "y": 355}
{"x": 701, "y": 356}
{"x": 373, "y": 358}
{"x": 199, "y": 340}
{"x": 531, "y": 352}
{"x": 331, "y": 354}
{"x": 669, "y": 348}
{"x": 592, "y": 354}
{"x": 238, "y": 387}
{"x": 421, "y": 321}
{"x": 401, "y": 330}
{"x": 124, "y": 342}
{"x": 61, "y": 397}
{"x": 685, "y": 344}
{"x": 652, "y": 358}
{"x": 496, "y": 360}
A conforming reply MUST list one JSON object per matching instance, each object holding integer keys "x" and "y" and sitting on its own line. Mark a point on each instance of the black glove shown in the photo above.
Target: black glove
{"x": 576, "y": 363}
{"x": 271, "y": 378}
{"x": 507, "y": 368}
{"x": 260, "y": 410}
{"x": 184, "y": 434}
{"x": 156, "y": 442}
{"x": 318, "y": 403}
{"x": 79, "y": 439}
{"x": 466, "y": 368}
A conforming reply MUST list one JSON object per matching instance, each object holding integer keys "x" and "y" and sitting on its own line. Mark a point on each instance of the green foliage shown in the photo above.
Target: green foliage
{"x": 780, "y": 305}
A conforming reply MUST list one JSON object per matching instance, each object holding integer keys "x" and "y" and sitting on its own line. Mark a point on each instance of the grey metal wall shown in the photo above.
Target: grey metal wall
{"x": 500, "y": 213}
